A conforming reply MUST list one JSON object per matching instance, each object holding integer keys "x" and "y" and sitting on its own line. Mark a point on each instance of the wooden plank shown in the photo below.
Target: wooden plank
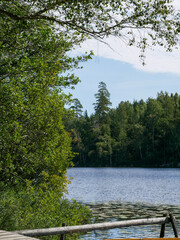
{"x": 91, "y": 227}
{"x": 4, "y": 235}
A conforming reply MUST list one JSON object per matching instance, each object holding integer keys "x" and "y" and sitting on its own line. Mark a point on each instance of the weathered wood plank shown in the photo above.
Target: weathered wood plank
{"x": 4, "y": 235}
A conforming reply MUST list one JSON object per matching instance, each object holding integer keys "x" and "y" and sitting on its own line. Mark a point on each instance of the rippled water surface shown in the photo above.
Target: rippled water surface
{"x": 127, "y": 193}
{"x": 158, "y": 186}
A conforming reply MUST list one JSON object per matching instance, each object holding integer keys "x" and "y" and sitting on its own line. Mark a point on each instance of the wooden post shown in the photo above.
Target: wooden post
{"x": 163, "y": 226}
{"x": 173, "y": 222}
{"x": 162, "y": 233}
{"x": 62, "y": 236}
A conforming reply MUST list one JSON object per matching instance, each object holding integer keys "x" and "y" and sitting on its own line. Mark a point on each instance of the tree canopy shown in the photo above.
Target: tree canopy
{"x": 139, "y": 22}
{"x": 35, "y": 147}
{"x": 32, "y": 105}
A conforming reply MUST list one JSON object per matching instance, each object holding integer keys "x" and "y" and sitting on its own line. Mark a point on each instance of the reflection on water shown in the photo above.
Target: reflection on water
{"x": 116, "y": 194}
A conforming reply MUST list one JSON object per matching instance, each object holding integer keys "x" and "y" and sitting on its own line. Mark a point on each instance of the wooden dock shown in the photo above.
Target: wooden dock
{"x": 4, "y": 235}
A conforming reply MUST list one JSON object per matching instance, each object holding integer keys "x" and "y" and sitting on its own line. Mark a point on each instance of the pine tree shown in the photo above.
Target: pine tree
{"x": 77, "y": 107}
{"x": 102, "y": 103}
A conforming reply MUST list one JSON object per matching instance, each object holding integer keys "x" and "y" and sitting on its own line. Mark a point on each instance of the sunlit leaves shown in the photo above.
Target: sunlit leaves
{"x": 81, "y": 19}
{"x": 33, "y": 64}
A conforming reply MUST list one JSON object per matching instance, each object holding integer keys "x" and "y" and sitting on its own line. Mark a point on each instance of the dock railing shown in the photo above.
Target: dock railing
{"x": 102, "y": 226}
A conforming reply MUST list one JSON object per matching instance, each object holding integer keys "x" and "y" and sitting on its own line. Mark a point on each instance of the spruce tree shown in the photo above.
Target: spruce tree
{"x": 102, "y": 105}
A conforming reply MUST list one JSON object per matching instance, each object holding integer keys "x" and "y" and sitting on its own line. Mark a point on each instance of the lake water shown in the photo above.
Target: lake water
{"x": 127, "y": 193}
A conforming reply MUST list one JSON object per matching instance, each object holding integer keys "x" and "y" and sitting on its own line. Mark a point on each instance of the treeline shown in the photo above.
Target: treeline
{"x": 138, "y": 134}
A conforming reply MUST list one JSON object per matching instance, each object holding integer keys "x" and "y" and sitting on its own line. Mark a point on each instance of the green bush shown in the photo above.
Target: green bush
{"x": 34, "y": 208}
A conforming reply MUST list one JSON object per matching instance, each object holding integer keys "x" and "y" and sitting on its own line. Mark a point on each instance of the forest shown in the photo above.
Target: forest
{"x": 138, "y": 134}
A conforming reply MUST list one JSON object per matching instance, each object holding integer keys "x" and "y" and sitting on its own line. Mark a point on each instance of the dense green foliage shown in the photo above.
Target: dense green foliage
{"x": 35, "y": 148}
{"x": 138, "y": 134}
{"x": 33, "y": 138}
{"x": 25, "y": 209}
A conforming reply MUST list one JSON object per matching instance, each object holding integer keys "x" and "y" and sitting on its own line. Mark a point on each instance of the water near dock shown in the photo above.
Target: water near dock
{"x": 127, "y": 193}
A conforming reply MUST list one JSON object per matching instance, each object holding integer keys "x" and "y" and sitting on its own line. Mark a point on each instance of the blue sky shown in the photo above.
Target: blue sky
{"x": 120, "y": 68}
{"x": 123, "y": 80}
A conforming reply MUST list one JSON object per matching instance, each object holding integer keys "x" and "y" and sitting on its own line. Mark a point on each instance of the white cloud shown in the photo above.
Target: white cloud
{"x": 157, "y": 60}
{"x": 177, "y": 4}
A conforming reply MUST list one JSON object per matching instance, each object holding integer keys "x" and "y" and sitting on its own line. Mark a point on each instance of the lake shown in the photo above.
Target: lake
{"x": 127, "y": 193}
